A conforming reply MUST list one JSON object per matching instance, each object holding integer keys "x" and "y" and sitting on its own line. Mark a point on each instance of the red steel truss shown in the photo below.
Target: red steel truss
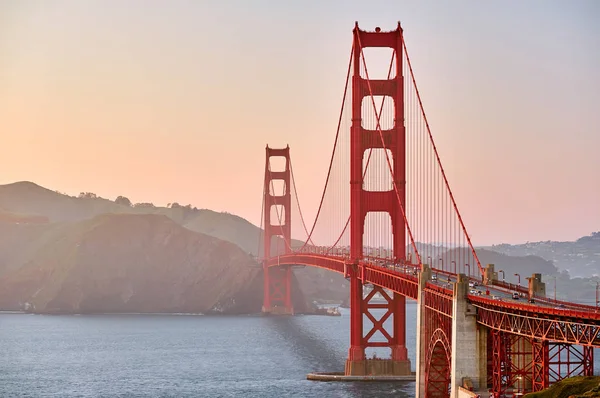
{"x": 438, "y": 331}
{"x": 540, "y": 365}
{"x": 577, "y": 328}
{"x": 521, "y": 364}
{"x": 567, "y": 360}
{"x": 511, "y": 363}
{"x": 437, "y": 375}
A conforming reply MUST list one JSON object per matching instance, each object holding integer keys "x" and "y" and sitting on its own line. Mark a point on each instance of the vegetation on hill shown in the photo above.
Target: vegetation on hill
{"x": 573, "y": 387}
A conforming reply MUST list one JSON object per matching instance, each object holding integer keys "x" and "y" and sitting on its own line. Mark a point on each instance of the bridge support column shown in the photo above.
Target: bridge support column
{"x": 277, "y": 235}
{"x": 422, "y": 335}
{"x": 277, "y": 298}
{"x": 467, "y": 345}
{"x": 355, "y": 364}
{"x": 394, "y": 306}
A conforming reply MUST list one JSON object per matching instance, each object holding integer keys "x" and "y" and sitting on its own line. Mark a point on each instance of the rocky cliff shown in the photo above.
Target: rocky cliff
{"x": 126, "y": 263}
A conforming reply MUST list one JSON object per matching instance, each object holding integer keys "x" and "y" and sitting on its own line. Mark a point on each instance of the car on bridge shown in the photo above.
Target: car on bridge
{"x": 515, "y": 296}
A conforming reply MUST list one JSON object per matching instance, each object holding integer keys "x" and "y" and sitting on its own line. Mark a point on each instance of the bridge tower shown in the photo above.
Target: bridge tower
{"x": 277, "y": 297}
{"x": 362, "y": 202}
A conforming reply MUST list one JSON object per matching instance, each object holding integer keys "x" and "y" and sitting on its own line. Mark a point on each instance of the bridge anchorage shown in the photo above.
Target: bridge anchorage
{"x": 474, "y": 332}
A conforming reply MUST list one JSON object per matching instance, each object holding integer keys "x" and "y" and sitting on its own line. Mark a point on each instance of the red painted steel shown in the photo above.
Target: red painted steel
{"x": 530, "y": 345}
{"x": 438, "y": 335}
{"x": 437, "y": 373}
{"x": 363, "y": 201}
{"x": 276, "y": 284}
{"x": 540, "y": 365}
{"x": 573, "y": 327}
{"x": 566, "y": 360}
{"x": 393, "y": 279}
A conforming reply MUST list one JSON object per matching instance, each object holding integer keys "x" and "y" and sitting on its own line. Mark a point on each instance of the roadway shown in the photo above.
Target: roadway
{"x": 477, "y": 289}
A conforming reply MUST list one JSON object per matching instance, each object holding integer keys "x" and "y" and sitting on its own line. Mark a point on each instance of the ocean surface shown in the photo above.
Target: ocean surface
{"x": 181, "y": 356}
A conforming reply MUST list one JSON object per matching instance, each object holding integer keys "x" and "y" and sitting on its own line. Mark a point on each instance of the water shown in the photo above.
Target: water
{"x": 180, "y": 356}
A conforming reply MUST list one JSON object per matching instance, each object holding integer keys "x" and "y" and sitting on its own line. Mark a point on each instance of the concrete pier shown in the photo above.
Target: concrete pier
{"x": 469, "y": 343}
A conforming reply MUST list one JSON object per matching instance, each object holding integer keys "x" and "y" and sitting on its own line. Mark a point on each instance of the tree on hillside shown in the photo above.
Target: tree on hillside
{"x": 122, "y": 200}
{"x": 176, "y": 205}
{"x": 87, "y": 195}
{"x": 144, "y": 205}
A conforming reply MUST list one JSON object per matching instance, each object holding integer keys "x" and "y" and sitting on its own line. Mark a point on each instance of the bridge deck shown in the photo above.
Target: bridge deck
{"x": 543, "y": 319}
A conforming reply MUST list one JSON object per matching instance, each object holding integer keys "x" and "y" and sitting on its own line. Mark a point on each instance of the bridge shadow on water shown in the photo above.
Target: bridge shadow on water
{"x": 318, "y": 352}
{"x": 313, "y": 344}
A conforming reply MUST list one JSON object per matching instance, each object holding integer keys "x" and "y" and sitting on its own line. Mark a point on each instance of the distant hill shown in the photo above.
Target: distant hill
{"x": 32, "y": 199}
{"x": 39, "y": 203}
{"x": 580, "y": 258}
{"x": 36, "y": 201}
{"x": 523, "y": 265}
{"x": 26, "y": 203}
{"x": 125, "y": 263}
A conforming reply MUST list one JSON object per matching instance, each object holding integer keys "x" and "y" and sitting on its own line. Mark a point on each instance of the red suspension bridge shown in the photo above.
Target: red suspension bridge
{"x": 388, "y": 218}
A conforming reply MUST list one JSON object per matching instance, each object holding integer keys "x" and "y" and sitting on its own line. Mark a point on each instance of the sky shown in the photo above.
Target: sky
{"x": 175, "y": 101}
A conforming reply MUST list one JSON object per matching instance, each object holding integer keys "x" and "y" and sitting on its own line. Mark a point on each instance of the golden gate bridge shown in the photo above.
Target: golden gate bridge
{"x": 387, "y": 218}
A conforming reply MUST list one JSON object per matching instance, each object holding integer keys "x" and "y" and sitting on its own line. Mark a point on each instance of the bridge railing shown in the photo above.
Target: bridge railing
{"x": 511, "y": 286}
{"x": 566, "y": 313}
{"x": 525, "y": 290}
{"x": 585, "y": 307}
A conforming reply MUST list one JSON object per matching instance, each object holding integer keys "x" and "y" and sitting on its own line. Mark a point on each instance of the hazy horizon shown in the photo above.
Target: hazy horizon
{"x": 175, "y": 103}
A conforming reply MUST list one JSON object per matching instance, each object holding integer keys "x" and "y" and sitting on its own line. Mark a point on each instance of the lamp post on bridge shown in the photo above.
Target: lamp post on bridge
{"x": 454, "y": 262}
{"x": 518, "y": 276}
{"x": 468, "y": 266}
{"x": 554, "y": 277}
{"x": 429, "y": 261}
{"x": 442, "y": 260}
{"x": 502, "y": 274}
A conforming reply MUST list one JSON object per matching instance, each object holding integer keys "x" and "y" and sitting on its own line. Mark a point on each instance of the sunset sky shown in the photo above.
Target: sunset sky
{"x": 166, "y": 101}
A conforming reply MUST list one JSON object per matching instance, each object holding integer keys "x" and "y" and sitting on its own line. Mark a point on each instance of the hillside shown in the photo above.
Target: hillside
{"x": 34, "y": 200}
{"x": 524, "y": 265}
{"x": 573, "y": 387}
{"x": 26, "y": 203}
{"x": 580, "y": 258}
{"x": 126, "y": 263}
